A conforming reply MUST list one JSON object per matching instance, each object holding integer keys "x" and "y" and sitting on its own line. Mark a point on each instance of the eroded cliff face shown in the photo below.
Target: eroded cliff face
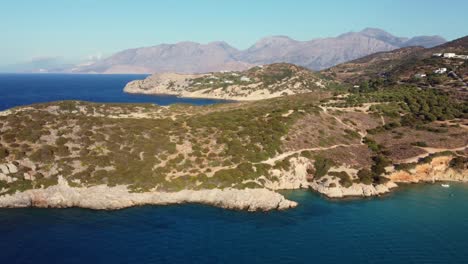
{"x": 437, "y": 170}
{"x": 297, "y": 177}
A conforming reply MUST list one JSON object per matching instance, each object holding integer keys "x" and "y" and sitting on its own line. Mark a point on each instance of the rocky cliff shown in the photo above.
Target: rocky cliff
{"x": 436, "y": 170}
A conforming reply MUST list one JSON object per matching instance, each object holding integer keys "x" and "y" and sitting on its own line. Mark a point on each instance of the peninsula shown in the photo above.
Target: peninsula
{"x": 347, "y": 131}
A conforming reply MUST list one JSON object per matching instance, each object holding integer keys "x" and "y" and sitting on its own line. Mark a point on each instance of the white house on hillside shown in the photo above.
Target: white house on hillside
{"x": 449, "y": 55}
{"x": 245, "y": 79}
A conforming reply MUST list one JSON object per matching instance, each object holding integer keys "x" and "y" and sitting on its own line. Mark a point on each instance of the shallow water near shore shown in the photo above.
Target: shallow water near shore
{"x": 417, "y": 224}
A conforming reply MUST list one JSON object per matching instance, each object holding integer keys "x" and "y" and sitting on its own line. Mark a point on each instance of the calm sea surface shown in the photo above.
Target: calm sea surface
{"x": 23, "y": 89}
{"x": 416, "y": 224}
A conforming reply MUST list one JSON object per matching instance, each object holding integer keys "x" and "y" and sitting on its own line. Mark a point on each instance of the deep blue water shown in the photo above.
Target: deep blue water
{"x": 24, "y": 89}
{"x": 417, "y": 224}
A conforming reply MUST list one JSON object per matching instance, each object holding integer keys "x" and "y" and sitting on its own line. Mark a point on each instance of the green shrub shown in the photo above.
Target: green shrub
{"x": 43, "y": 154}
{"x": 405, "y": 166}
{"x": 4, "y": 152}
{"x": 419, "y": 144}
{"x": 345, "y": 179}
{"x": 459, "y": 163}
{"x": 322, "y": 165}
{"x": 380, "y": 162}
{"x": 365, "y": 176}
{"x": 61, "y": 141}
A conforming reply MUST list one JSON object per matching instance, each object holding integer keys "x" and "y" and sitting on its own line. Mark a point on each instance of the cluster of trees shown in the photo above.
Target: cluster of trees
{"x": 379, "y": 162}
{"x": 322, "y": 165}
{"x": 430, "y": 105}
{"x": 373, "y": 85}
{"x": 418, "y": 105}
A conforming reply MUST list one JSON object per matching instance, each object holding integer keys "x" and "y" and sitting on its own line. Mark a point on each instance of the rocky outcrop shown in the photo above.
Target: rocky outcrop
{"x": 436, "y": 170}
{"x": 103, "y": 197}
{"x": 355, "y": 190}
{"x": 297, "y": 177}
{"x": 5, "y": 170}
{"x": 293, "y": 178}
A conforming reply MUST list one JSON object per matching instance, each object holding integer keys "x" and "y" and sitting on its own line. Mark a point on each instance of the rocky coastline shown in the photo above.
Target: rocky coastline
{"x": 103, "y": 197}
{"x": 147, "y": 87}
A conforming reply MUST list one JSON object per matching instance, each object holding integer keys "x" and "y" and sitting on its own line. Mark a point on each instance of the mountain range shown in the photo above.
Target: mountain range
{"x": 192, "y": 57}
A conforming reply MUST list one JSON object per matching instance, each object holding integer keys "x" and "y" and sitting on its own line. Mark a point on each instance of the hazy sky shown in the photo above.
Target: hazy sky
{"x": 77, "y": 29}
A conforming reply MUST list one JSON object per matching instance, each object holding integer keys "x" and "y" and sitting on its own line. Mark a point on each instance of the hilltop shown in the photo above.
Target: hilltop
{"x": 260, "y": 82}
{"x": 426, "y": 68}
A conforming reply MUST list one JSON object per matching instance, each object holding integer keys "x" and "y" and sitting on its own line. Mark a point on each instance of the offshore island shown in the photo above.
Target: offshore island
{"x": 358, "y": 129}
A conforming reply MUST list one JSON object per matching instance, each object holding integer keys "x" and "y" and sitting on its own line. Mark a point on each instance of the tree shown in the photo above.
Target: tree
{"x": 365, "y": 176}
{"x": 4, "y": 153}
{"x": 380, "y": 162}
{"x": 322, "y": 165}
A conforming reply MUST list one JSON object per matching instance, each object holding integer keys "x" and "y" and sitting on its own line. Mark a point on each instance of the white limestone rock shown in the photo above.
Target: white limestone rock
{"x": 4, "y": 169}
{"x": 105, "y": 197}
{"x": 12, "y": 168}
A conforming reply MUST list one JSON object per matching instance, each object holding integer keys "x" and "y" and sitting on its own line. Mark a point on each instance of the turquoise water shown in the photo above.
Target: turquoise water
{"x": 416, "y": 224}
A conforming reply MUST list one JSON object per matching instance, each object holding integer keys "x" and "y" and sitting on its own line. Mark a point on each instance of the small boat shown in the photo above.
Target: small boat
{"x": 445, "y": 185}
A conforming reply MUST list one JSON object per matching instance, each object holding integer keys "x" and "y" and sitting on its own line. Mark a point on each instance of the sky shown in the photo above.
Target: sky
{"x": 80, "y": 30}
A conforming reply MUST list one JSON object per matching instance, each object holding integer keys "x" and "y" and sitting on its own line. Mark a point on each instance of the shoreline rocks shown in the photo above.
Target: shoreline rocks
{"x": 355, "y": 190}
{"x": 102, "y": 197}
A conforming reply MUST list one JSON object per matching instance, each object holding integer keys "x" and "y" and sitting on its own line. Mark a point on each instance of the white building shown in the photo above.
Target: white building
{"x": 437, "y": 55}
{"x": 441, "y": 70}
{"x": 449, "y": 55}
{"x": 245, "y": 79}
{"x": 228, "y": 81}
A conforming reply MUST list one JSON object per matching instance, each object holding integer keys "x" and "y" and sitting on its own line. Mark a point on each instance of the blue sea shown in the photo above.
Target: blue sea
{"x": 24, "y": 89}
{"x": 415, "y": 224}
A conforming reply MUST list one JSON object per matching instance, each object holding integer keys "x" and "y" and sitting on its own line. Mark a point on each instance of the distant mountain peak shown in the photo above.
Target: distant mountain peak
{"x": 193, "y": 57}
{"x": 375, "y": 32}
{"x": 274, "y": 40}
